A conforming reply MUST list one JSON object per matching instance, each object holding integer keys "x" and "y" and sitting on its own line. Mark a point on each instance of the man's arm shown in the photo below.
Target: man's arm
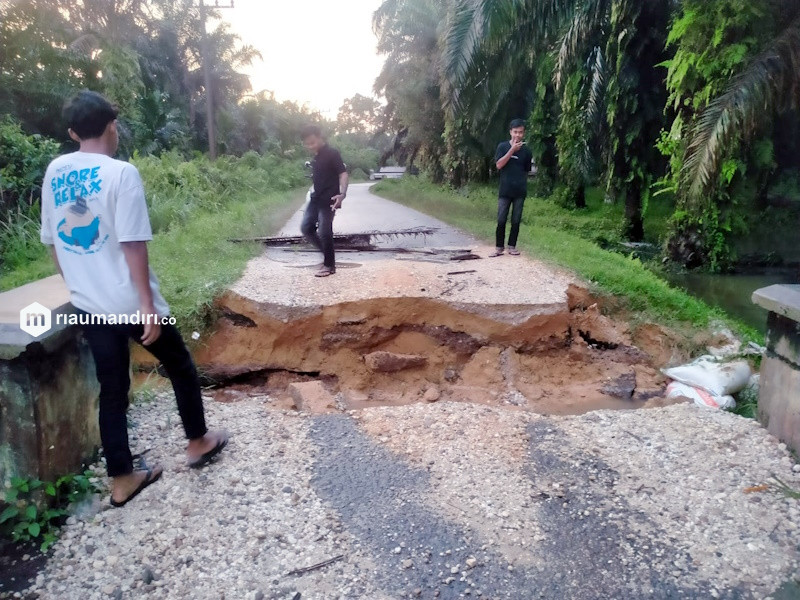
{"x": 503, "y": 160}
{"x": 344, "y": 180}
{"x": 139, "y": 266}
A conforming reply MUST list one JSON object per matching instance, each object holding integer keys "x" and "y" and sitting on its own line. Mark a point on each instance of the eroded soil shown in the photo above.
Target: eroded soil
{"x": 565, "y": 359}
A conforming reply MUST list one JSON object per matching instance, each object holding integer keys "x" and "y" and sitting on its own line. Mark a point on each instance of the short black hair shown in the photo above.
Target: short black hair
{"x": 516, "y": 123}
{"x": 310, "y": 130}
{"x": 88, "y": 114}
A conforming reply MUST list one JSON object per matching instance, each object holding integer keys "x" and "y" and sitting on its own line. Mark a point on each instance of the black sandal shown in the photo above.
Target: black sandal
{"x": 208, "y": 456}
{"x": 150, "y": 478}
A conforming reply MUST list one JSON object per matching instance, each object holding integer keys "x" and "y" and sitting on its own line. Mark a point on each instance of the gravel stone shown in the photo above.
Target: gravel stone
{"x": 498, "y": 503}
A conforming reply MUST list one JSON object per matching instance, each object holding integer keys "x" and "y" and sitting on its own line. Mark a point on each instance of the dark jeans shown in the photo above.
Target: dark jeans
{"x": 317, "y": 228}
{"x": 503, "y": 205}
{"x": 109, "y": 345}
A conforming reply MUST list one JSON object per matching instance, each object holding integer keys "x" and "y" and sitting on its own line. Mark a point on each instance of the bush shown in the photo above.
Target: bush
{"x": 35, "y": 509}
{"x": 23, "y": 160}
{"x": 176, "y": 188}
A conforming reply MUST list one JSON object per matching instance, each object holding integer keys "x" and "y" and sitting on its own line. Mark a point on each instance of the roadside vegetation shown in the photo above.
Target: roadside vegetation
{"x": 694, "y": 100}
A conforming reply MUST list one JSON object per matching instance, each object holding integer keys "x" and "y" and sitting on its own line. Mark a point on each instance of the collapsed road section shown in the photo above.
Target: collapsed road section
{"x": 506, "y": 332}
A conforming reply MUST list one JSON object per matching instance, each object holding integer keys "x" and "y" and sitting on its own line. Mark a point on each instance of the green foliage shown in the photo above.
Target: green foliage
{"x": 176, "y": 189}
{"x": 143, "y": 55}
{"x": 35, "y": 509}
{"x": 573, "y": 141}
{"x": 39, "y": 65}
{"x": 359, "y": 157}
{"x": 359, "y": 114}
{"x": 23, "y": 160}
{"x": 696, "y": 74}
{"x": 542, "y": 126}
{"x": 699, "y": 71}
{"x": 195, "y": 261}
{"x": 408, "y": 35}
{"x": 20, "y": 246}
{"x": 262, "y": 124}
{"x": 635, "y": 100}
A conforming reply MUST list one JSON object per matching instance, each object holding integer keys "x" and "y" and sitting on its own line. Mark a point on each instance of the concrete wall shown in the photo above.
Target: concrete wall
{"x": 779, "y": 399}
{"x": 48, "y": 391}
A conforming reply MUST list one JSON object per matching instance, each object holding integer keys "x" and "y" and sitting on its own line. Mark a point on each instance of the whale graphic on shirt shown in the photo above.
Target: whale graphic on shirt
{"x": 80, "y": 227}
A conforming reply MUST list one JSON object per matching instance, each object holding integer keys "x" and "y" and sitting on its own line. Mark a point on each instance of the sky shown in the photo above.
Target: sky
{"x": 314, "y": 51}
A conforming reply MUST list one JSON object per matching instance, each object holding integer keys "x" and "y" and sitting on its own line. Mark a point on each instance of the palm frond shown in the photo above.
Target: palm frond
{"x": 585, "y": 26}
{"x": 597, "y": 89}
{"x": 771, "y": 83}
{"x": 467, "y": 26}
{"x": 499, "y": 25}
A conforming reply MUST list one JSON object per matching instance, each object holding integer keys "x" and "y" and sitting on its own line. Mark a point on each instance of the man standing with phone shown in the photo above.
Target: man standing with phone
{"x": 330, "y": 189}
{"x": 513, "y": 160}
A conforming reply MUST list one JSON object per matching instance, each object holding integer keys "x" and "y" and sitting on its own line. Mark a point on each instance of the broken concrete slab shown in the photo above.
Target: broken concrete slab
{"x": 518, "y": 307}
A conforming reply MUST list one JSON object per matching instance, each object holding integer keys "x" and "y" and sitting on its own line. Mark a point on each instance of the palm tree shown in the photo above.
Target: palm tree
{"x": 626, "y": 35}
{"x": 769, "y": 85}
{"x": 408, "y": 35}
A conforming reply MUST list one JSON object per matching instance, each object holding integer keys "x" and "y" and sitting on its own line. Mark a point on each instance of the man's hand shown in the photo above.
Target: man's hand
{"x": 152, "y": 324}
{"x": 515, "y": 147}
{"x": 336, "y": 201}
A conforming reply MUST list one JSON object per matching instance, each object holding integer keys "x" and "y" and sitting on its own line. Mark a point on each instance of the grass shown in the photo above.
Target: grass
{"x": 572, "y": 239}
{"x": 24, "y": 257}
{"x": 195, "y": 263}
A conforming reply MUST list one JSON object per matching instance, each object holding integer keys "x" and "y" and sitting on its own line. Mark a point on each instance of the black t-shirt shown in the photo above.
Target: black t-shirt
{"x": 327, "y": 166}
{"x": 514, "y": 176}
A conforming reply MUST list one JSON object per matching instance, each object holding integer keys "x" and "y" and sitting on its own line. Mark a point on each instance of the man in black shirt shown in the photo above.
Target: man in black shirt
{"x": 514, "y": 162}
{"x": 330, "y": 189}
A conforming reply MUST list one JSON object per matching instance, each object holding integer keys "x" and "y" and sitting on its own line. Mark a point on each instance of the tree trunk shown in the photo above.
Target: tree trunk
{"x": 580, "y": 197}
{"x": 634, "y": 224}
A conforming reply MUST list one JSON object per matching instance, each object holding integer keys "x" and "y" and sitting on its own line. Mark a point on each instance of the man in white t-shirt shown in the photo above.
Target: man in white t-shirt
{"x": 94, "y": 217}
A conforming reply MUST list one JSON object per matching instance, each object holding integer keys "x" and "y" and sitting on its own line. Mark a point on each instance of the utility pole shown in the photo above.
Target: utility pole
{"x": 211, "y": 124}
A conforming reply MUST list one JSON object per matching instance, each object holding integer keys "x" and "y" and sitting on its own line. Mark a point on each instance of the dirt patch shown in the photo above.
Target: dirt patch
{"x": 398, "y": 351}
{"x": 665, "y": 347}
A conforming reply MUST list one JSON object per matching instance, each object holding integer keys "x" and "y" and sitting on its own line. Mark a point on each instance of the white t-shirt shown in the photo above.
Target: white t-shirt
{"x": 91, "y": 203}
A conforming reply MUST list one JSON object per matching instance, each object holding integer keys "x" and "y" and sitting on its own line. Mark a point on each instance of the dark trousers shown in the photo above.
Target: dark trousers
{"x": 111, "y": 352}
{"x": 317, "y": 228}
{"x": 503, "y": 206}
